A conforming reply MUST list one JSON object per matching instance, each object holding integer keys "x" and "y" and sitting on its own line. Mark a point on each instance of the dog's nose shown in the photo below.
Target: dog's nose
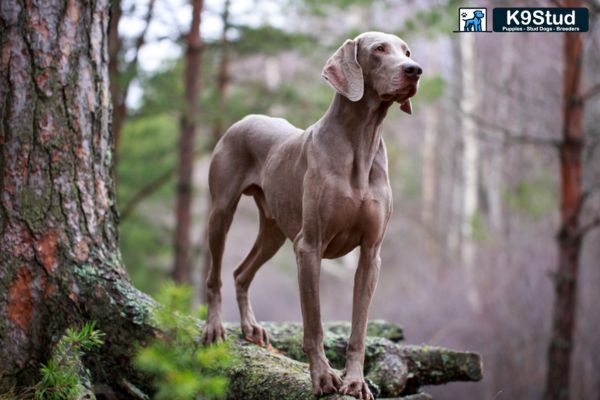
{"x": 412, "y": 70}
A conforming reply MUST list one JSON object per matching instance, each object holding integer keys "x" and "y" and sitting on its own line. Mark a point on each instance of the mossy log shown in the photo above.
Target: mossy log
{"x": 392, "y": 370}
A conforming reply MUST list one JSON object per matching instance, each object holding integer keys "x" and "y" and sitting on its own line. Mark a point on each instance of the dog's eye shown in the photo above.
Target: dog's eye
{"x": 380, "y": 48}
{"x": 407, "y": 53}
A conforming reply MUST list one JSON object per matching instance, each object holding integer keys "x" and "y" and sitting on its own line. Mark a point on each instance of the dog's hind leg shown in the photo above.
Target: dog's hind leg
{"x": 218, "y": 226}
{"x": 226, "y": 190}
{"x": 268, "y": 241}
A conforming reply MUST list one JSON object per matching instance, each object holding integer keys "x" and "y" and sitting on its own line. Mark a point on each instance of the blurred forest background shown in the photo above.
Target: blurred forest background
{"x": 472, "y": 247}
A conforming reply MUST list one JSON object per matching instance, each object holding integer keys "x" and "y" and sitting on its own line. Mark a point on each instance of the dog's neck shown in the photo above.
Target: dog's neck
{"x": 359, "y": 124}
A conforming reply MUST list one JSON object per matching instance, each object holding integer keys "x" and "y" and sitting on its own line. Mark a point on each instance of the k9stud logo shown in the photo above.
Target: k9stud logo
{"x": 541, "y": 19}
{"x": 524, "y": 19}
{"x": 472, "y": 19}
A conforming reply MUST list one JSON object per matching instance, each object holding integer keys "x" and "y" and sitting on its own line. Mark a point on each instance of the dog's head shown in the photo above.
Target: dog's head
{"x": 478, "y": 14}
{"x": 377, "y": 63}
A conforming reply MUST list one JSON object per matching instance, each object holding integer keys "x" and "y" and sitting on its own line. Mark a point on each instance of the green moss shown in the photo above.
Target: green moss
{"x": 375, "y": 328}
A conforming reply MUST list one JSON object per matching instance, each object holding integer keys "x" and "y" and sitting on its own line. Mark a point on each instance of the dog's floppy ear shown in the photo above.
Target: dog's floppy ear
{"x": 406, "y": 107}
{"x": 343, "y": 71}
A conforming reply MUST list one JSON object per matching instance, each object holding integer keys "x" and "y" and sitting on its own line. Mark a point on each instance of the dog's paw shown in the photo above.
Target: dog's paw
{"x": 214, "y": 332}
{"x": 357, "y": 388}
{"x": 326, "y": 382}
{"x": 256, "y": 334}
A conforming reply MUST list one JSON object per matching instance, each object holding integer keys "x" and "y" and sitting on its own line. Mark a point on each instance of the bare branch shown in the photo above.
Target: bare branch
{"x": 120, "y": 82}
{"x": 591, "y": 92}
{"x": 139, "y": 42}
{"x": 586, "y": 228}
{"x": 593, "y": 5}
{"x": 146, "y": 192}
{"x": 150, "y": 188}
{"x": 512, "y": 137}
{"x": 528, "y": 139}
{"x": 589, "y": 193}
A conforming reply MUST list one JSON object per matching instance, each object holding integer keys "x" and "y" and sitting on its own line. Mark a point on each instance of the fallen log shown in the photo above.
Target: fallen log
{"x": 393, "y": 370}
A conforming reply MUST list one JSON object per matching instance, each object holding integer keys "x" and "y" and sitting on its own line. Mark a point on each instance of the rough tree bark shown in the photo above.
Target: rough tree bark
{"x": 59, "y": 257}
{"x": 115, "y": 47}
{"x": 183, "y": 255}
{"x": 59, "y": 260}
{"x": 569, "y": 236}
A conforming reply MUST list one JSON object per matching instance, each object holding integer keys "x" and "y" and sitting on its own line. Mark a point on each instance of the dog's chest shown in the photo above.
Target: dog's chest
{"x": 353, "y": 216}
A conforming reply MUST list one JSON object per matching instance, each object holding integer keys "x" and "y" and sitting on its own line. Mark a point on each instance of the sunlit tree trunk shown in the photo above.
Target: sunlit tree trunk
{"x": 569, "y": 237}
{"x": 493, "y": 163}
{"x": 429, "y": 166}
{"x": 183, "y": 255}
{"x": 59, "y": 259}
{"x": 470, "y": 165}
{"x": 429, "y": 149}
{"x": 454, "y": 189}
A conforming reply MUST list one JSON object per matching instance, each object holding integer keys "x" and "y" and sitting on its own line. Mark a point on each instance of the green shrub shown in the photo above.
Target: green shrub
{"x": 181, "y": 369}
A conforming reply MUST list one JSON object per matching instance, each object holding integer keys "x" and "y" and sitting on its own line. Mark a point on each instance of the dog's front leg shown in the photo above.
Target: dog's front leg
{"x": 365, "y": 281}
{"x": 308, "y": 256}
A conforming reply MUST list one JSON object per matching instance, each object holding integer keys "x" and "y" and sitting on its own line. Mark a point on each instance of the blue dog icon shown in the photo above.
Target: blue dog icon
{"x": 474, "y": 24}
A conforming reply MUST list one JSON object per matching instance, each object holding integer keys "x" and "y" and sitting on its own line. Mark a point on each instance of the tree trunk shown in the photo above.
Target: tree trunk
{"x": 59, "y": 259}
{"x": 223, "y": 75}
{"x": 430, "y": 136}
{"x": 470, "y": 165}
{"x": 183, "y": 260}
{"x": 569, "y": 238}
{"x": 120, "y": 78}
{"x": 493, "y": 164}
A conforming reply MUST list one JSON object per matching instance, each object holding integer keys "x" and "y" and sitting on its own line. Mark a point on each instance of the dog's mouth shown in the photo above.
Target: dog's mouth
{"x": 401, "y": 95}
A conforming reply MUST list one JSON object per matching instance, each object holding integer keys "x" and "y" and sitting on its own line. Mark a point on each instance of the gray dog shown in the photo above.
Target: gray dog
{"x": 325, "y": 188}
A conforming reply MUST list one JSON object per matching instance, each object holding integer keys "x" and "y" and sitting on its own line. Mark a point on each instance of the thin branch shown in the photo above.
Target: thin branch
{"x": 584, "y": 197}
{"x": 593, "y": 5}
{"x": 527, "y": 139}
{"x": 120, "y": 87}
{"x": 586, "y": 228}
{"x": 139, "y": 42}
{"x": 150, "y": 188}
{"x": 146, "y": 192}
{"x": 513, "y": 137}
{"x": 591, "y": 92}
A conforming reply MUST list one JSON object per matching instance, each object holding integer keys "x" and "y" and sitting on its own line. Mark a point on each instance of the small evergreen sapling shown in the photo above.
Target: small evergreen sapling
{"x": 180, "y": 367}
{"x": 64, "y": 377}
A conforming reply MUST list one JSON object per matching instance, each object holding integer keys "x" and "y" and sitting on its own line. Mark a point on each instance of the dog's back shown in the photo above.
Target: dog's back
{"x": 243, "y": 149}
